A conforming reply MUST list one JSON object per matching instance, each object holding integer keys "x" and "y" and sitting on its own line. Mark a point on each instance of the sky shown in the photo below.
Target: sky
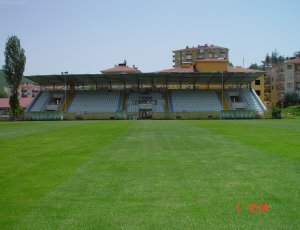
{"x": 87, "y": 36}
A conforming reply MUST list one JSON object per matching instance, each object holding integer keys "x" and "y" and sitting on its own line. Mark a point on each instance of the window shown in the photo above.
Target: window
{"x": 289, "y": 67}
{"x": 257, "y": 82}
{"x": 289, "y": 85}
{"x": 257, "y": 92}
{"x": 210, "y": 55}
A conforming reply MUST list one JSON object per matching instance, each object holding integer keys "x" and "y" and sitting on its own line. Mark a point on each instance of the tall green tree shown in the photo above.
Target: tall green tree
{"x": 274, "y": 57}
{"x": 14, "y": 67}
{"x": 267, "y": 62}
{"x": 255, "y": 66}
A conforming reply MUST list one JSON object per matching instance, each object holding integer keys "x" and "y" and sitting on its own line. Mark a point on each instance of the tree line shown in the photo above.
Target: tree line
{"x": 271, "y": 60}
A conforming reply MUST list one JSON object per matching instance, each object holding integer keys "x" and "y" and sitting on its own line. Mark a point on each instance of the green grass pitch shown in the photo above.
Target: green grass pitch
{"x": 150, "y": 175}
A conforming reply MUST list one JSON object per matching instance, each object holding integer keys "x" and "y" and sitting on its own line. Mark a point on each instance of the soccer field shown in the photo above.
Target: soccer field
{"x": 150, "y": 175}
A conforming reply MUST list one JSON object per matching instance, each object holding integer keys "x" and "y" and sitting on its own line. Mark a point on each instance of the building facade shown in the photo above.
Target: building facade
{"x": 211, "y": 58}
{"x": 193, "y": 54}
{"x": 283, "y": 79}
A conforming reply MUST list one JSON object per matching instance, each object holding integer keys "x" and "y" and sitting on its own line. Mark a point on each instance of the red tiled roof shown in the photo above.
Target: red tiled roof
{"x": 242, "y": 70}
{"x": 202, "y": 47}
{"x": 179, "y": 70}
{"x": 121, "y": 69}
{"x": 24, "y": 102}
{"x": 4, "y": 102}
{"x": 296, "y": 61}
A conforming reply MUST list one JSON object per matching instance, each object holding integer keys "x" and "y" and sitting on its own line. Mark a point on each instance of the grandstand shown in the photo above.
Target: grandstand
{"x": 149, "y": 96}
{"x": 95, "y": 102}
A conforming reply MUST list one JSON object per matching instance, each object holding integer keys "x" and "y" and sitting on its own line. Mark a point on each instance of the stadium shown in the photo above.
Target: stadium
{"x": 169, "y": 94}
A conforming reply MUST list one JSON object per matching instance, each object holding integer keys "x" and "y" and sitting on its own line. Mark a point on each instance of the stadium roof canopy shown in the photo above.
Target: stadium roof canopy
{"x": 157, "y": 78}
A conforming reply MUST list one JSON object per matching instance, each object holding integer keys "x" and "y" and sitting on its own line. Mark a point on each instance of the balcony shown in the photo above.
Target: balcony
{"x": 280, "y": 88}
{"x": 188, "y": 57}
{"x": 281, "y": 78}
{"x": 279, "y": 70}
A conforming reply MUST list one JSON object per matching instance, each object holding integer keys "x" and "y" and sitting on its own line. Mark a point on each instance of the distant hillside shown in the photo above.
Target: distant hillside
{"x": 3, "y": 82}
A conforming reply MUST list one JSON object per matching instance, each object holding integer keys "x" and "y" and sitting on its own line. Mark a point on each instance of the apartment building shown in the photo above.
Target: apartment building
{"x": 193, "y": 54}
{"x": 284, "y": 78}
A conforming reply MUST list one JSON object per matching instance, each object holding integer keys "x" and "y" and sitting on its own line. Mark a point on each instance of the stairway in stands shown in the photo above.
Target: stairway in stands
{"x": 68, "y": 100}
{"x": 223, "y": 100}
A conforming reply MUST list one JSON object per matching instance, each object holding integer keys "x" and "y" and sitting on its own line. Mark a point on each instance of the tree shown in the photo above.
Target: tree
{"x": 274, "y": 57}
{"x": 267, "y": 62}
{"x": 255, "y": 66}
{"x": 14, "y": 68}
{"x": 281, "y": 59}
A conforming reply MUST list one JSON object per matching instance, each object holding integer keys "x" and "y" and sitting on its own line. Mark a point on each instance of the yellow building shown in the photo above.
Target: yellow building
{"x": 211, "y": 65}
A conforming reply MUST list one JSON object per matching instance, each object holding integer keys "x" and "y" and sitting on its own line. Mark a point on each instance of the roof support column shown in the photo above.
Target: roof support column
{"x": 222, "y": 90}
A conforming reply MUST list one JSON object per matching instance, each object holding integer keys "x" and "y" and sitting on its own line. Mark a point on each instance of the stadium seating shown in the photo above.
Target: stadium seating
{"x": 40, "y": 102}
{"x": 95, "y": 101}
{"x": 194, "y": 101}
{"x": 87, "y": 101}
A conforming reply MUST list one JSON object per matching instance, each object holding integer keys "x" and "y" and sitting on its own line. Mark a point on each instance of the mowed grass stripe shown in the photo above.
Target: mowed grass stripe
{"x": 277, "y": 136}
{"x": 172, "y": 175}
{"x": 32, "y": 164}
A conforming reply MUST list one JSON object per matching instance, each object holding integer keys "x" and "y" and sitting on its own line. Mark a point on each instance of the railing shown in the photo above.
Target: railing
{"x": 52, "y": 107}
{"x": 239, "y": 105}
{"x": 262, "y": 106}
